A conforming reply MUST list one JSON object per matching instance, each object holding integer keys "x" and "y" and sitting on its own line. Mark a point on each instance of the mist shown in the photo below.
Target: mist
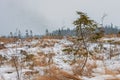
{"x": 39, "y": 15}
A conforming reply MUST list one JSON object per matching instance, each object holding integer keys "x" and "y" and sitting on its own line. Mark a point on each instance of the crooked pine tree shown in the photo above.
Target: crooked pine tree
{"x": 85, "y": 32}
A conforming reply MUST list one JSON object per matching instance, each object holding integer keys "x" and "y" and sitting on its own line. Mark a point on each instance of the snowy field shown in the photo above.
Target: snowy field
{"x": 44, "y": 59}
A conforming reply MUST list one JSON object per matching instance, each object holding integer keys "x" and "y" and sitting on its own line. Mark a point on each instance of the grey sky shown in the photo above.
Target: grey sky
{"x": 39, "y": 15}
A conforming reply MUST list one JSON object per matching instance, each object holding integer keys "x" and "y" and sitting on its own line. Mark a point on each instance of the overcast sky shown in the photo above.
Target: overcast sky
{"x": 38, "y": 15}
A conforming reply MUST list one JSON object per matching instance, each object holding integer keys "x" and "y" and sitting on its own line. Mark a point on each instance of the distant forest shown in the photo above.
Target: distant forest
{"x": 108, "y": 29}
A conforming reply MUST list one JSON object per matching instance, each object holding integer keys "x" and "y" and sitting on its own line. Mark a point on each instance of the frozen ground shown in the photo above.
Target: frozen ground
{"x": 105, "y": 68}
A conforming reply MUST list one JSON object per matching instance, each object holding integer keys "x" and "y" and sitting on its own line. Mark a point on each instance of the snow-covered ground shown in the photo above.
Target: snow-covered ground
{"x": 105, "y": 68}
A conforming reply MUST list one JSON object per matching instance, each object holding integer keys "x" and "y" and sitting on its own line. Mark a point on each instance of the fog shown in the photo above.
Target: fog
{"x": 39, "y": 15}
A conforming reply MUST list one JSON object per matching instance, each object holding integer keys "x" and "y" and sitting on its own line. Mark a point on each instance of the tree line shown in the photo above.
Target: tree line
{"x": 108, "y": 29}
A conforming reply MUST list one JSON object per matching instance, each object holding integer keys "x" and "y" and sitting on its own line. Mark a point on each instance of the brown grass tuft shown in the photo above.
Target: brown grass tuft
{"x": 54, "y": 73}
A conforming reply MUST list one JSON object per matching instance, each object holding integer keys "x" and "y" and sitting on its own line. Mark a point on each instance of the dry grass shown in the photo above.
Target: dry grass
{"x": 8, "y": 40}
{"x": 45, "y": 78}
{"x": 115, "y": 54}
{"x": 2, "y": 46}
{"x": 31, "y": 72}
{"x": 98, "y": 57}
{"x": 52, "y": 37}
{"x": 76, "y": 70}
{"x": 46, "y": 43}
{"x": 43, "y": 59}
{"x": 109, "y": 72}
{"x": 40, "y": 61}
{"x": 54, "y": 73}
{"x": 87, "y": 70}
{"x": 112, "y": 72}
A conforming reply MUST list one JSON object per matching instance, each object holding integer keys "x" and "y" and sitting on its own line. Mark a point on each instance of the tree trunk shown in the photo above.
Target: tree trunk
{"x": 84, "y": 43}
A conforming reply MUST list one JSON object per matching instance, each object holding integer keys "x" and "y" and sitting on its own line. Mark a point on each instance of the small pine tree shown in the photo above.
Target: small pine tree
{"x": 59, "y": 32}
{"x": 27, "y": 34}
{"x": 85, "y": 27}
{"x": 19, "y": 34}
{"x": 47, "y": 32}
{"x": 11, "y": 34}
{"x": 31, "y": 33}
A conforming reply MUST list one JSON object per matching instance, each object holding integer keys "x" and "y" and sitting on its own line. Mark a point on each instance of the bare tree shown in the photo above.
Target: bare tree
{"x": 16, "y": 65}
